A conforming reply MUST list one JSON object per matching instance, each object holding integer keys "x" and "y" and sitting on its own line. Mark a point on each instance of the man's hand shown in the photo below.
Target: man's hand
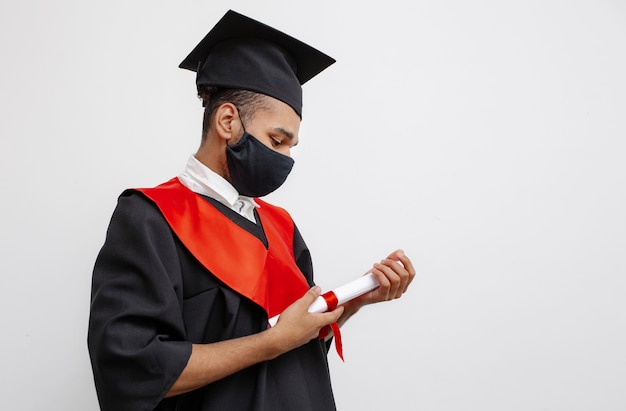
{"x": 394, "y": 274}
{"x": 296, "y": 326}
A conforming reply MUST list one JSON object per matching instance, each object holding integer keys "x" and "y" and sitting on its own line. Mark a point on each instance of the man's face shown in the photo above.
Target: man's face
{"x": 276, "y": 126}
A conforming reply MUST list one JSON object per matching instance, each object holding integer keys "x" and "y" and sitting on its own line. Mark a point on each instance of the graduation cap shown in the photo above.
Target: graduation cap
{"x": 242, "y": 53}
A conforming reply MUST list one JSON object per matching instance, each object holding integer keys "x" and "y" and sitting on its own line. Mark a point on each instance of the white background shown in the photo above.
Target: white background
{"x": 485, "y": 138}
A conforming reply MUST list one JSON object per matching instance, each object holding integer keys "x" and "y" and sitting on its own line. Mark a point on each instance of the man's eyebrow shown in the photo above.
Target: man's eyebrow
{"x": 284, "y": 132}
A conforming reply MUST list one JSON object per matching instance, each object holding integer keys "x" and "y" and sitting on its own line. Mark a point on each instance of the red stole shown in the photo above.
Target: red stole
{"x": 269, "y": 277}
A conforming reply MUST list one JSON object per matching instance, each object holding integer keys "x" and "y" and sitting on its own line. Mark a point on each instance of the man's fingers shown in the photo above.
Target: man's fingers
{"x": 397, "y": 255}
{"x": 311, "y": 295}
{"x": 330, "y": 317}
{"x": 405, "y": 268}
{"x": 408, "y": 266}
{"x": 389, "y": 269}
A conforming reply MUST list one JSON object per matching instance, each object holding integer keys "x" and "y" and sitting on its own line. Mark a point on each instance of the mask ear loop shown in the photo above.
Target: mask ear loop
{"x": 241, "y": 120}
{"x": 242, "y": 126}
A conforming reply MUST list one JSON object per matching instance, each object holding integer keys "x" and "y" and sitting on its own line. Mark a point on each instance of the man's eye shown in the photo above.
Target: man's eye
{"x": 275, "y": 142}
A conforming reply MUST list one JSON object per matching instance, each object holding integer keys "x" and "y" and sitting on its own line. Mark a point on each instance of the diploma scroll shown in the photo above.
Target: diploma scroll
{"x": 343, "y": 294}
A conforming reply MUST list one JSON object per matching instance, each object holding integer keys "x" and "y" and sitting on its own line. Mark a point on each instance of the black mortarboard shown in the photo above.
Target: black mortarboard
{"x": 242, "y": 53}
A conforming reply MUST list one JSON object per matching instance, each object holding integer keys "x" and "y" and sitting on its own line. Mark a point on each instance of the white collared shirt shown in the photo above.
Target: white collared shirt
{"x": 202, "y": 180}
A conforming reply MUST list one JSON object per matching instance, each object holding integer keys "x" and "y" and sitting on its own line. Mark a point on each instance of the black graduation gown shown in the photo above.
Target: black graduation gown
{"x": 151, "y": 299}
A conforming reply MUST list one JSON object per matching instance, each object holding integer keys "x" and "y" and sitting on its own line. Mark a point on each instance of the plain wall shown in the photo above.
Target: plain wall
{"x": 485, "y": 138}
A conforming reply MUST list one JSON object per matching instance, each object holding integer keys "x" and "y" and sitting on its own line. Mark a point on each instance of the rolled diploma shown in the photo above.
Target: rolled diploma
{"x": 345, "y": 293}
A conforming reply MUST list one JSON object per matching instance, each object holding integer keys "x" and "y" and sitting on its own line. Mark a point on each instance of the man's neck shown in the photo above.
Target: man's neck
{"x": 214, "y": 158}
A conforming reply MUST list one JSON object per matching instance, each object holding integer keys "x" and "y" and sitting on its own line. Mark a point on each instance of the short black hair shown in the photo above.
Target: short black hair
{"x": 247, "y": 102}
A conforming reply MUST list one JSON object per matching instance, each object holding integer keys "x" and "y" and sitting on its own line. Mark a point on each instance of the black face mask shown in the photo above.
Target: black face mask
{"x": 255, "y": 169}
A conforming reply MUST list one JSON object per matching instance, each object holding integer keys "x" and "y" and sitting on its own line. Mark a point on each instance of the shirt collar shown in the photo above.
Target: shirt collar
{"x": 202, "y": 180}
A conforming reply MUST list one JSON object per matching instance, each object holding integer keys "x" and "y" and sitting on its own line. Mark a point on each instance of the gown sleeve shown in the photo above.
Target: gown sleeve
{"x": 136, "y": 336}
{"x": 303, "y": 256}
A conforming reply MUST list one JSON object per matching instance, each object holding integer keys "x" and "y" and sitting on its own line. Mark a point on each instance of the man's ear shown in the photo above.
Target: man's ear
{"x": 226, "y": 122}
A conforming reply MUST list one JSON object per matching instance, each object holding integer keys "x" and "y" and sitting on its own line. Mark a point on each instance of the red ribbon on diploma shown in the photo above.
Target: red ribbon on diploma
{"x": 331, "y": 303}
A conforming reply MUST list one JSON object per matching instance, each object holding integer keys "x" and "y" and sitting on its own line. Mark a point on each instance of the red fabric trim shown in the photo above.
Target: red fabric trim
{"x": 331, "y": 303}
{"x": 269, "y": 277}
{"x": 331, "y": 300}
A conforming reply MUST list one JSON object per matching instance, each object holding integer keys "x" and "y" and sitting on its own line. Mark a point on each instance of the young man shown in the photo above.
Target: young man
{"x": 191, "y": 270}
